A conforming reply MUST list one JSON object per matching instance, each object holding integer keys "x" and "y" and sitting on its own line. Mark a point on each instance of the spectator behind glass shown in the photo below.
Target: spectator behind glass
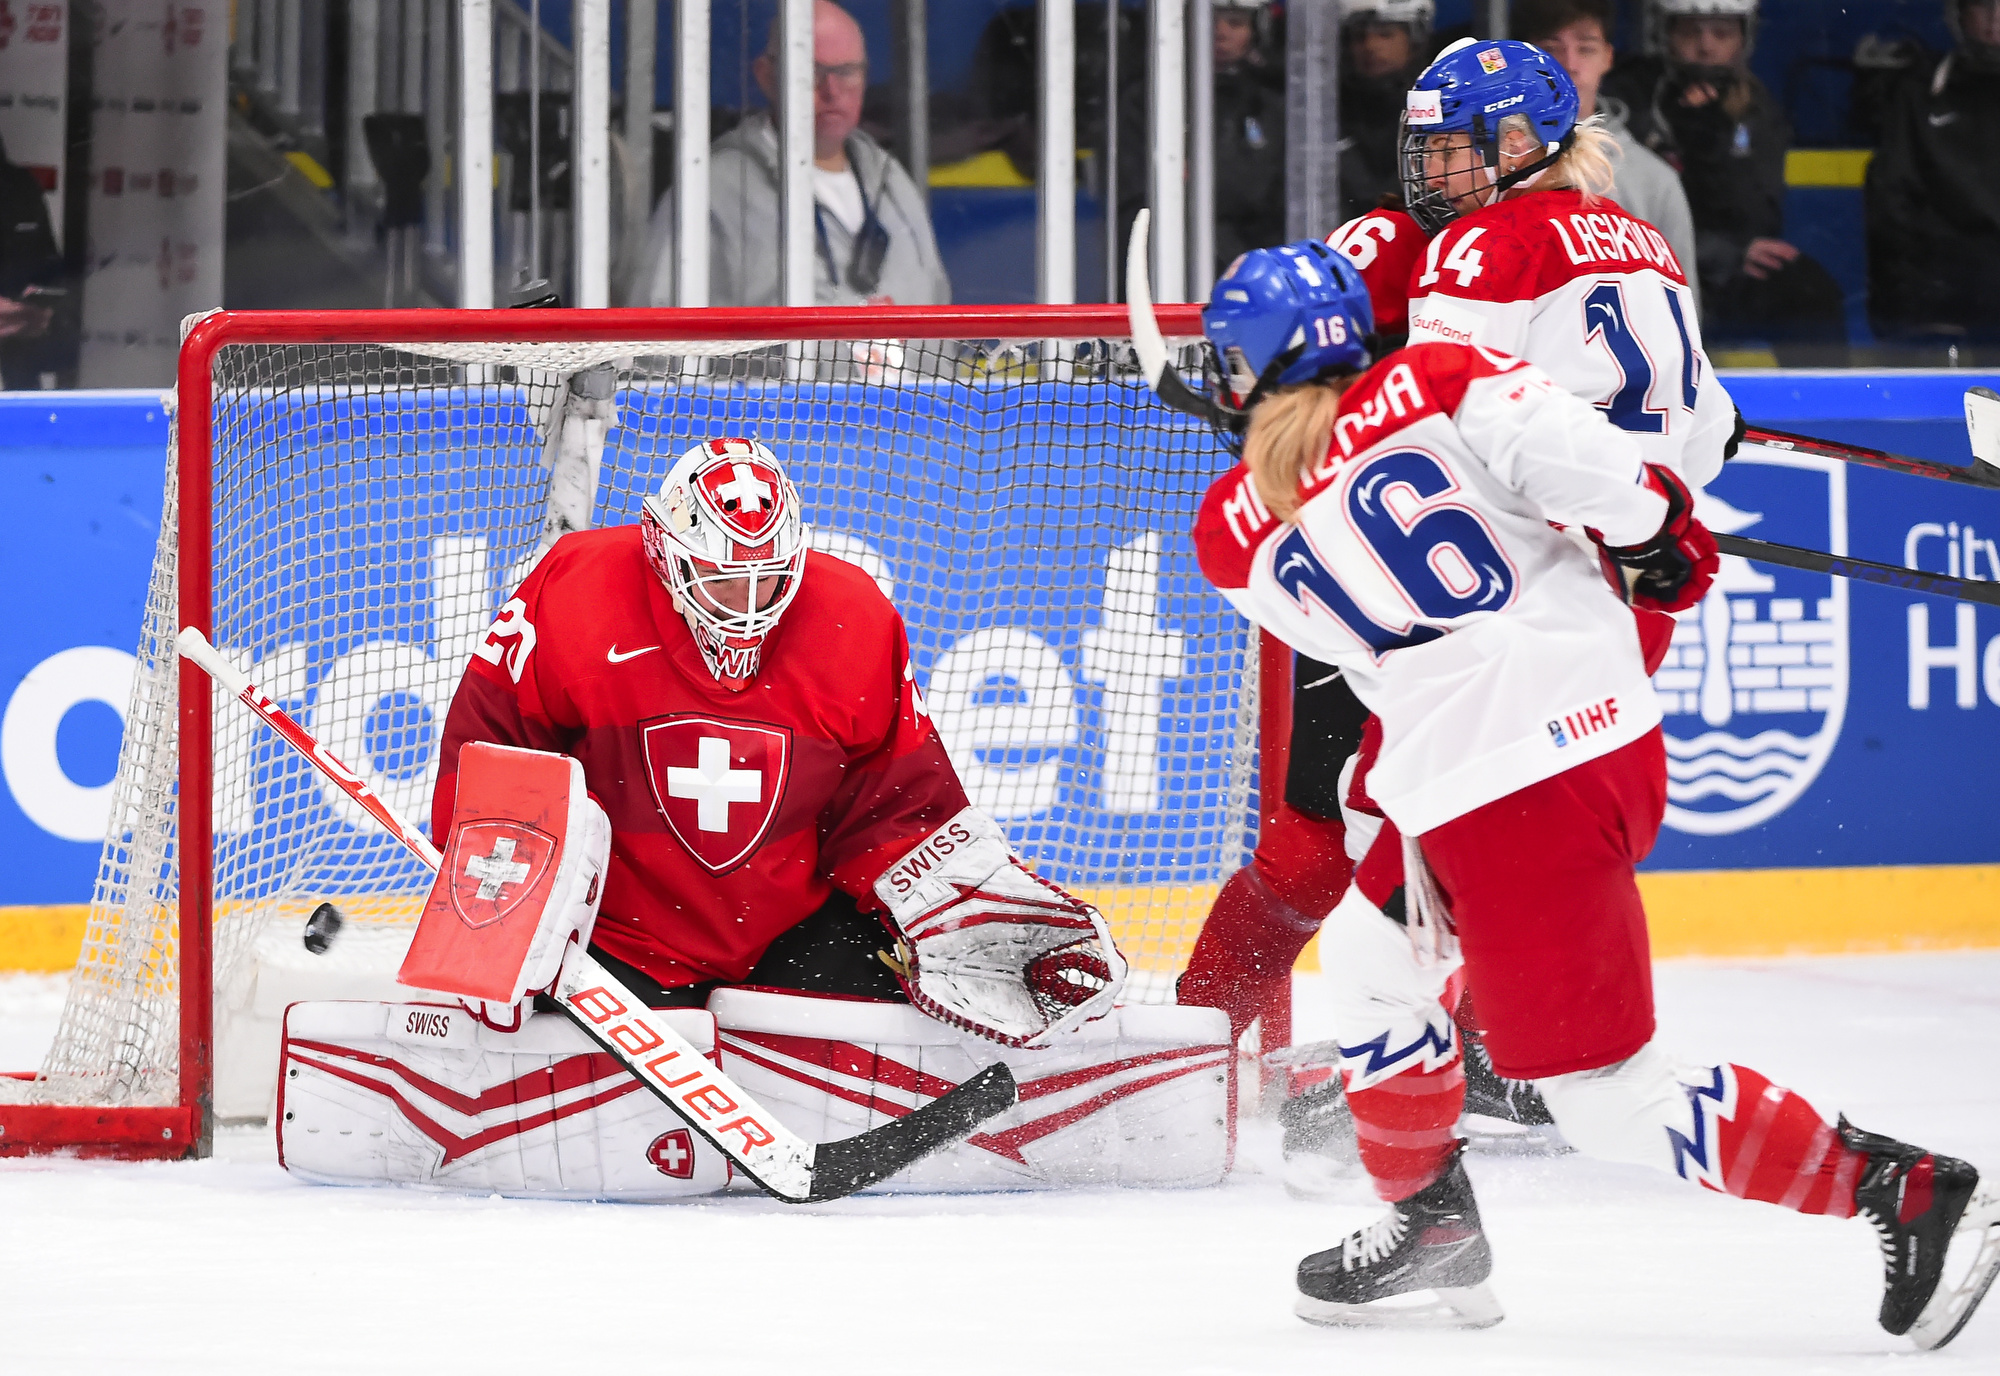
{"x": 872, "y": 234}
{"x": 37, "y": 334}
{"x": 1934, "y": 195}
{"x": 1249, "y": 133}
{"x": 1382, "y": 46}
{"x": 1704, "y": 111}
{"x": 1577, "y": 33}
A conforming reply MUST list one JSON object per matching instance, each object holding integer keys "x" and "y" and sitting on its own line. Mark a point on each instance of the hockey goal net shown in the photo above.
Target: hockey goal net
{"x": 349, "y": 498}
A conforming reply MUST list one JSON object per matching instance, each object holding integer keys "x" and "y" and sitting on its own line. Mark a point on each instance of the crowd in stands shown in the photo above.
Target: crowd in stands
{"x": 1704, "y": 144}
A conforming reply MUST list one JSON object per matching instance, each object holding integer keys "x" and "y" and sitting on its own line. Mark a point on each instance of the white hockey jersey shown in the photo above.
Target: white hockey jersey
{"x": 1596, "y": 299}
{"x": 1423, "y": 564}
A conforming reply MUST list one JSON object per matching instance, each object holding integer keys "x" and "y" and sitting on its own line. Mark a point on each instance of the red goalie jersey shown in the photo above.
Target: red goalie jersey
{"x": 733, "y": 814}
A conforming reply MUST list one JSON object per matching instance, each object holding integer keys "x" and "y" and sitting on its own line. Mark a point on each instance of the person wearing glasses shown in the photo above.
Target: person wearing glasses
{"x": 872, "y": 236}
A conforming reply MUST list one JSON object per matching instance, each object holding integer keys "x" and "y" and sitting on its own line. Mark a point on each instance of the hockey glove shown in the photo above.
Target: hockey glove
{"x": 991, "y": 948}
{"x": 1672, "y": 571}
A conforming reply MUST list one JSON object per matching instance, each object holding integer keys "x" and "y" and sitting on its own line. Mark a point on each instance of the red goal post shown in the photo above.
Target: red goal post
{"x": 996, "y": 462}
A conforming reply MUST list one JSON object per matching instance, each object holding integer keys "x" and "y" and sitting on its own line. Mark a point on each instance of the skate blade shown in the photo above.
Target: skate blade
{"x": 1503, "y": 1138}
{"x": 1471, "y": 1306}
{"x": 1977, "y": 1234}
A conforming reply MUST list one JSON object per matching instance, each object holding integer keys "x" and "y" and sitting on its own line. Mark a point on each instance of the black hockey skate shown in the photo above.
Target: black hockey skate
{"x": 1923, "y": 1207}
{"x": 1502, "y": 1114}
{"x": 1423, "y": 1265}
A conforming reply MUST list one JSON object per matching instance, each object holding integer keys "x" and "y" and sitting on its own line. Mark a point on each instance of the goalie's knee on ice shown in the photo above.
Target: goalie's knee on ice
{"x": 425, "y": 1095}
{"x": 1139, "y": 1097}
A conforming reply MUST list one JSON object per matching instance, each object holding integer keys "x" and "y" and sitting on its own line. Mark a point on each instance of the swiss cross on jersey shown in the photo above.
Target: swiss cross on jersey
{"x": 494, "y": 866}
{"x": 717, "y": 782}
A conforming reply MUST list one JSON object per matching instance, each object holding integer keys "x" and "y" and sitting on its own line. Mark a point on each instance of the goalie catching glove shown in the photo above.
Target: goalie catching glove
{"x": 1672, "y": 571}
{"x": 987, "y": 946}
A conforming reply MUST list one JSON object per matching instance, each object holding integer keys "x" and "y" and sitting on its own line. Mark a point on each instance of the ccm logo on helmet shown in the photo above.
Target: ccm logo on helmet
{"x": 1503, "y": 104}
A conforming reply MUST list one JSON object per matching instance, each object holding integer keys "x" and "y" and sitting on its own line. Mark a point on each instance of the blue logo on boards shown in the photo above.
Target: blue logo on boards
{"x": 1754, "y": 687}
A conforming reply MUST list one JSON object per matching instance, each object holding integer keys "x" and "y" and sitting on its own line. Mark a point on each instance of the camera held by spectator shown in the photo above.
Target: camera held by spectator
{"x": 1701, "y": 108}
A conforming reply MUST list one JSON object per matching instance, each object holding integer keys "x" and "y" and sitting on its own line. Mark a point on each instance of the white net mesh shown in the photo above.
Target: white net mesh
{"x": 1025, "y": 507}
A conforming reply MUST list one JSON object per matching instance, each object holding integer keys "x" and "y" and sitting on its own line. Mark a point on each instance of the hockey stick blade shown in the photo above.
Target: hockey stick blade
{"x": 854, "y": 1163}
{"x": 1980, "y": 474}
{"x": 779, "y": 1161}
{"x": 1982, "y": 427}
{"x": 1147, "y": 340}
{"x": 1860, "y": 570}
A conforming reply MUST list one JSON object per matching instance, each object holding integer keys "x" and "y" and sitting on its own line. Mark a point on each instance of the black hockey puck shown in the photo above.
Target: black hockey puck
{"x": 322, "y": 927}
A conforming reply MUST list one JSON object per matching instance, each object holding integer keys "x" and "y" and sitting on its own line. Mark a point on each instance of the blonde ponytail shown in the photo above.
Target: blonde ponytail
{"x": 1586, "y": 165}
{"x": 1290, "y": 432}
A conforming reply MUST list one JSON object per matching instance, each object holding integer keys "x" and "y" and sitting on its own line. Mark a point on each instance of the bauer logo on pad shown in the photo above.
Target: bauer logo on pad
{"x": 494, "y": 866}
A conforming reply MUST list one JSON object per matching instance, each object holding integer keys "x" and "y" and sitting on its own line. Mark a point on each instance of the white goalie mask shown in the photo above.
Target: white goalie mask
{"x": 723, "y": 533}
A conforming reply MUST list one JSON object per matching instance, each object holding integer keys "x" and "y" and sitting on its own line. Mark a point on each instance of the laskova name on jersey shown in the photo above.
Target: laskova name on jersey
{"x": 1597, "y": 300}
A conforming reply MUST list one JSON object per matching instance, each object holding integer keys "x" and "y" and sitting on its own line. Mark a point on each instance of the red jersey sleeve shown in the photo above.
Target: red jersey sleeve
{"x": 893, "y": 794}
{"x": 501, "y": 699}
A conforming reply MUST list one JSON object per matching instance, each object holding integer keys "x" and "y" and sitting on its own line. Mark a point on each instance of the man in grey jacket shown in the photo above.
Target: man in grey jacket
{"x": 872, "y": 235}
{"x": 1577, "y": 34}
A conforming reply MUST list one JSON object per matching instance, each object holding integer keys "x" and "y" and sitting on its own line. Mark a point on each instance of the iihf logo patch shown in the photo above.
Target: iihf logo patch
{"x": 1753, "y": 689}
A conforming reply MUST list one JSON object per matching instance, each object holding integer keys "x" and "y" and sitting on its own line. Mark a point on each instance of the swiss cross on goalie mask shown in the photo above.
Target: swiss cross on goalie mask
{"x": 744, "y": 494}
{"x": 717, "y": 782}
{"x": 493, "y": 867}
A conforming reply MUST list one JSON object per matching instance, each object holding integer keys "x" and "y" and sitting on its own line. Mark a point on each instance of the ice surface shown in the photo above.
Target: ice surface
{"x": 228, "y": 1265}
{"x": 30, "y": 1007}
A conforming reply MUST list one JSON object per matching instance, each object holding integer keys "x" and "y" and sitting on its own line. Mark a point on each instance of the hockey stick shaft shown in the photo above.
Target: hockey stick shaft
{"x": 721, "y": 1112}
{"x": 1978, "y": 474}
{"x": 1860, "y": 570}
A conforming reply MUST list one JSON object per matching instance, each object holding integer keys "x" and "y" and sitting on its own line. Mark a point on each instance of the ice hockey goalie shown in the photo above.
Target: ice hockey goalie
{"x": 787, "y": 859}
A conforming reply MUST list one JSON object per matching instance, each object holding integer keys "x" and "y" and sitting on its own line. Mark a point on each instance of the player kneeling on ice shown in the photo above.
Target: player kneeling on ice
{"x": 761, "y": 833}
{"x": 1404, "y": 523}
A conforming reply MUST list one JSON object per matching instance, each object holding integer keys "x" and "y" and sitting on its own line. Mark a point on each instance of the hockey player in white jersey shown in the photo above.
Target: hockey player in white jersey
{"x": 1531, "y": 258}
{"x": 1401, "y": 524}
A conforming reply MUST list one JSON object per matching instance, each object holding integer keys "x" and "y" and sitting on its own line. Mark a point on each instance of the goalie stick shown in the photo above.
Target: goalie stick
{"x": 779, "y": 1161}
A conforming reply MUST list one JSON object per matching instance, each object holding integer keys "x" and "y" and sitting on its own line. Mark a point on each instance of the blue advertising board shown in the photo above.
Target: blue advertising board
{"x": 1813, "y": 723}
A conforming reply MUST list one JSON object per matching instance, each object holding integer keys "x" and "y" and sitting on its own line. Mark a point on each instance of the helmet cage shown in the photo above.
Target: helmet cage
{"x": 1431, "y": 206}
{"x": 701, "y": 532}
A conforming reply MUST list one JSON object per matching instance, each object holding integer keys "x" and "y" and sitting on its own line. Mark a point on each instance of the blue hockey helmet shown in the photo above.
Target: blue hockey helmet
{"x": 1282, "y": 316}
{"x": 1468, "y": 90}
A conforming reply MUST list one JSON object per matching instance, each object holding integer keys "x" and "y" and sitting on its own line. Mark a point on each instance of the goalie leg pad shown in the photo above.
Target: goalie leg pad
{"x": 426, "y": 1095}
{"x": 1138, "y": 1098}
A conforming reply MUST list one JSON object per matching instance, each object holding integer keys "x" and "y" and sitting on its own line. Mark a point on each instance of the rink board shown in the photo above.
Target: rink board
{"x": 1816, "y": 729}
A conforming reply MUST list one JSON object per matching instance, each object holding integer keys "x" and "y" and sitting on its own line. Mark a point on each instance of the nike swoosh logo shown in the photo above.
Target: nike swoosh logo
{"x": 616, "y": 658}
